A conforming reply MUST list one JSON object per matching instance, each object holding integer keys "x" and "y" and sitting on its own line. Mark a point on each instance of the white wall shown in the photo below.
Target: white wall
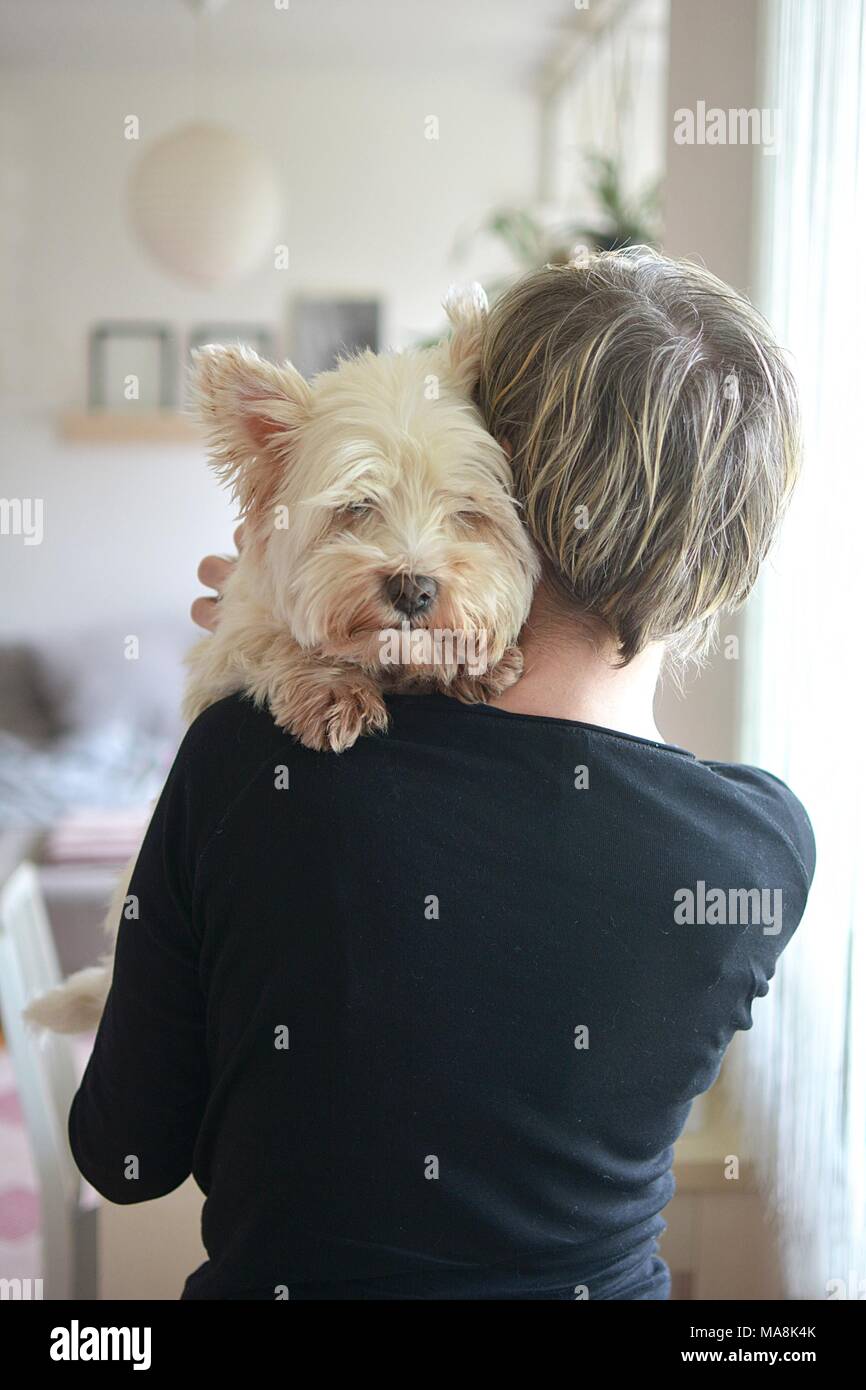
{"x": 709, "y": 217}
{"x": 371, "y": 206}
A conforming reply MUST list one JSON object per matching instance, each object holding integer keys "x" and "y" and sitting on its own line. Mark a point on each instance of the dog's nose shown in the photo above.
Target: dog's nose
{"x": 411, "y": 593}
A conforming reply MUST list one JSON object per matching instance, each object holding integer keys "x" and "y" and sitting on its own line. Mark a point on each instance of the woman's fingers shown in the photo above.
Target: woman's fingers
{"x": 205, "y": 613}
{"x": 213, "y": 572}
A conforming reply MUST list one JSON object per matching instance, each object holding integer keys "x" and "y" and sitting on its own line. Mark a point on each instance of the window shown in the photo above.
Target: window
{"x": 803, "y": 1071}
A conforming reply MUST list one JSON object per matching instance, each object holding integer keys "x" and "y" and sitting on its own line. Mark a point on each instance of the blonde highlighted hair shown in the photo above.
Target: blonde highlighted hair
{"x": 654, "y": 432}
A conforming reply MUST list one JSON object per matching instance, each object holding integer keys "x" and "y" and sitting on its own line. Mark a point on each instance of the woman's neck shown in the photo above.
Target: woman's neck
{"x": 570, "y": 674}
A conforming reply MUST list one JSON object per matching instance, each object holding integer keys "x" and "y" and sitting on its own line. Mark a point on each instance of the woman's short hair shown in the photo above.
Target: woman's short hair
{"x": 654, "y": 432}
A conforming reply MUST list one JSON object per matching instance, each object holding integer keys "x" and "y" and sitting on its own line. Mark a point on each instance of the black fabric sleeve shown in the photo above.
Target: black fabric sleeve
{"x": 780, "y": 807}
{"x": 136, "y": 1116}
{"x": 779, "y": 845}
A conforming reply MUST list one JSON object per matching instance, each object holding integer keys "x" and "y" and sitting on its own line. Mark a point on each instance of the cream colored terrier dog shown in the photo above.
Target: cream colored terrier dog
{"x": 376, "y": 507}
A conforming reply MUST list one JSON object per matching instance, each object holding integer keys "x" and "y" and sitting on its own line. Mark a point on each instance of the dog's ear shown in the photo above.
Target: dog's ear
{"x": 252, "y": 412}
{"x": 466, "y": 307}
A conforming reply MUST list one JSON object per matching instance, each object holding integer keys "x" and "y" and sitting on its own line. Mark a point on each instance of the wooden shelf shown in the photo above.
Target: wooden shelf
{"x": 129, "y": 427}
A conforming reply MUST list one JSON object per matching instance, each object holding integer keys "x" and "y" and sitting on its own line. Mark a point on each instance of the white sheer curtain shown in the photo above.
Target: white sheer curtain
{"x": 801, "y": 1075}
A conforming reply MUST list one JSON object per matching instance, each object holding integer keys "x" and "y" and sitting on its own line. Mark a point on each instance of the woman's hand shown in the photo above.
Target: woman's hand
{"x": 213, "y": 572}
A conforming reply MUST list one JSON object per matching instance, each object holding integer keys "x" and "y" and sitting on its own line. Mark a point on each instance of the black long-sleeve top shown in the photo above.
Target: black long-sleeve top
{"x": 425, "y": 1019}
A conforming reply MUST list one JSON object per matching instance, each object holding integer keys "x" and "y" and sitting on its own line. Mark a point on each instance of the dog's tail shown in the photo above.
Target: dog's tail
{"x": 76, "y": 1005}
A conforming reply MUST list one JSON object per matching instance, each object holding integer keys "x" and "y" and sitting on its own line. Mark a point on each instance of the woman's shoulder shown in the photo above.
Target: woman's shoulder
{"x": 236, "y": 718}
{"x": 761, "y": 798}
{"x": 224, "y": 748}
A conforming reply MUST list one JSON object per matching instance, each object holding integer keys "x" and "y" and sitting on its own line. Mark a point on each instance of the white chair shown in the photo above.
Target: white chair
{"x": 46, "y": 1076}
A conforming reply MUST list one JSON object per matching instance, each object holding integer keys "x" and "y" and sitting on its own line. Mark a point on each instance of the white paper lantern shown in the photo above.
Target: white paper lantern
{"x": 204, "y": 201}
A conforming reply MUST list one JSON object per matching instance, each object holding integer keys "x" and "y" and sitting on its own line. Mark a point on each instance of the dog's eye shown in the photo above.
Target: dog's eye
{"x": 468, "y": 517}
{"x": 359, "y": 508}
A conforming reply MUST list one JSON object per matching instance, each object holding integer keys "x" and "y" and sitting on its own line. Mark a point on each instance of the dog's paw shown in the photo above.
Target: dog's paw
{"x": 473, "y": 690}
{"x": 355, "y": 711}
{"x": 333, "y": 718}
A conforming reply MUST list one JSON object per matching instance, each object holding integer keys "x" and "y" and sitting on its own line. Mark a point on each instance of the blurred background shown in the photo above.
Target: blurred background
{"x": 310, "y": 176}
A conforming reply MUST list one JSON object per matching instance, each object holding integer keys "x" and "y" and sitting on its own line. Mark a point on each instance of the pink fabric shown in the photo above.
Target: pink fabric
{"x": 19, "y": 1213}
{"x": 20, "y": 1246}
{"x": 20, "y": 1243}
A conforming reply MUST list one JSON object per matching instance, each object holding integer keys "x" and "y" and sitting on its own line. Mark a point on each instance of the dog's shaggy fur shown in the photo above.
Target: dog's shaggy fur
{"x": 374, "y": 501}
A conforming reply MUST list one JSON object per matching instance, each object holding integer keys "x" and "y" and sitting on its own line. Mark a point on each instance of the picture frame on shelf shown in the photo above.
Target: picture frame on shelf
{"x": 324, "y": 329}
{"x": 258, "y": 336}
{"x": 132, "y": 365}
